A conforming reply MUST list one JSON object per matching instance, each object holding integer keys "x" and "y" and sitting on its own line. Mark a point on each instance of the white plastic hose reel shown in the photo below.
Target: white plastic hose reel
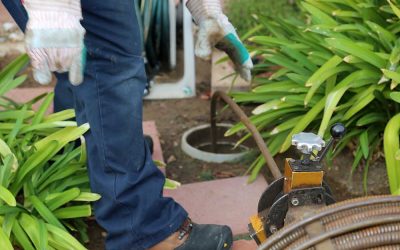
{"x": 186, "y": 86}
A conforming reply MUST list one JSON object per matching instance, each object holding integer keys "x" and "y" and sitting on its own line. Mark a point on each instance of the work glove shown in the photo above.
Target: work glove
{"x": 54, "y": 39}
{"x": 216, "y": 30}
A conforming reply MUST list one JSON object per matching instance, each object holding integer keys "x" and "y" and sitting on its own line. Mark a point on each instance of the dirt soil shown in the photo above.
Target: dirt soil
{"x": 174, "y": 117}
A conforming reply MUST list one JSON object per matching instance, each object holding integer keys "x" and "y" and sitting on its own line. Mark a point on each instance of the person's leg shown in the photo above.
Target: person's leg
{"x": 132, "y": 208}
{"x": 63, "y": 96}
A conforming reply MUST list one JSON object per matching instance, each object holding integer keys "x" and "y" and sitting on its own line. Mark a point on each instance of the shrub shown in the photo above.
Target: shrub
{"x": 44, "y": 191}
{"x": 44, "y": 186}
{"x": 341, "y": 64}
{"x": 244, "y": 13}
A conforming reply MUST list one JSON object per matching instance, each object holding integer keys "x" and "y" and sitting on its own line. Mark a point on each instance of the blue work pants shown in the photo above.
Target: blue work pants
{"x": 132, "y": 209}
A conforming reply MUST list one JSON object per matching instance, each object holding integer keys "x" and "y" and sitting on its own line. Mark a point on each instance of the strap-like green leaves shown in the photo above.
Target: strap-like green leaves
{"x": 339, "y": 65}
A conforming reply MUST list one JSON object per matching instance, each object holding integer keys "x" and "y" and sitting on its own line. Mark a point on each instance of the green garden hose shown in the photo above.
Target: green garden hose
{"x": 154, "y": 29}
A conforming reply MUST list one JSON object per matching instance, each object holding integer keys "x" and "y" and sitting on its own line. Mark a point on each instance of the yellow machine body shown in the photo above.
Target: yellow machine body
{"x": 258, "y": 229}
{"x": 293, "y": 180}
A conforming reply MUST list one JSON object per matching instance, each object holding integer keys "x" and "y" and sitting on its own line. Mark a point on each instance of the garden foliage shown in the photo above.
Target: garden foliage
{"x": 244, "y": 13}
{"x": 341, "y": 64}
{"x": 44, "y": 187}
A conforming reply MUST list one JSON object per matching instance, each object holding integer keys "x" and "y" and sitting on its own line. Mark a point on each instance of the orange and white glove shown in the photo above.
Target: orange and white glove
{"x": 54, "y": 39}
{"x": 215, "y": 30}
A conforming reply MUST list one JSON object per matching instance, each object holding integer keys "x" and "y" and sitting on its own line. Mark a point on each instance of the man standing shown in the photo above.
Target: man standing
{"x": 98, "y": 43}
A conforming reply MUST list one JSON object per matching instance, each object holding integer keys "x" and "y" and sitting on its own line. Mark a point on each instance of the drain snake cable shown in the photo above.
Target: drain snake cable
{"x": 249, "y": 125}
{"x": 359, "y": 223}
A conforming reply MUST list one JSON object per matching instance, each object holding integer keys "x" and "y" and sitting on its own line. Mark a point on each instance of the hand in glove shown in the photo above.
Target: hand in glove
{"x": 54, "y": 39}
{"x": 216, "y": 30}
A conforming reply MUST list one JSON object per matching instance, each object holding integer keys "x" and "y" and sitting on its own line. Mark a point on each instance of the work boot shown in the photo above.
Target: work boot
{"x": 193, "y": 236}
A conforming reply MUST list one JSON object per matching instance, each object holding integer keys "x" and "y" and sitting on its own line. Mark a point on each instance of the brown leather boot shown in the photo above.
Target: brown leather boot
{"x": 193, "y": 236}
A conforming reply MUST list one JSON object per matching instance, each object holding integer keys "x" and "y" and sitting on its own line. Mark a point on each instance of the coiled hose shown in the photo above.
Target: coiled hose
{"x": 363, "y": 223}
{"x": 153, "y": 20}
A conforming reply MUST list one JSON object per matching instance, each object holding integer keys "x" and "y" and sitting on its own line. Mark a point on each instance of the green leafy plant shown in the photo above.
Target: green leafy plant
{"x": 339, "y": 65}
{"x": 169, "y": 184}
{"x": 44, "y": 187}
{"x": 244, "y": 14}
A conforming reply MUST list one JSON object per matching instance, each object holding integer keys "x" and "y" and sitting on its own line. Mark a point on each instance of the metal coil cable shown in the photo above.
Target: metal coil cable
{"x": 249, "y": 125}
{"x": 388, "y": 247}
{"x": 363, "y": 223}
{"x": 369, "y": 237}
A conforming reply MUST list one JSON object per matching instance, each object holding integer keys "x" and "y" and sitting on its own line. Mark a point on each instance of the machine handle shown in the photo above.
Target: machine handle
{"x": 338, "y": 130}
